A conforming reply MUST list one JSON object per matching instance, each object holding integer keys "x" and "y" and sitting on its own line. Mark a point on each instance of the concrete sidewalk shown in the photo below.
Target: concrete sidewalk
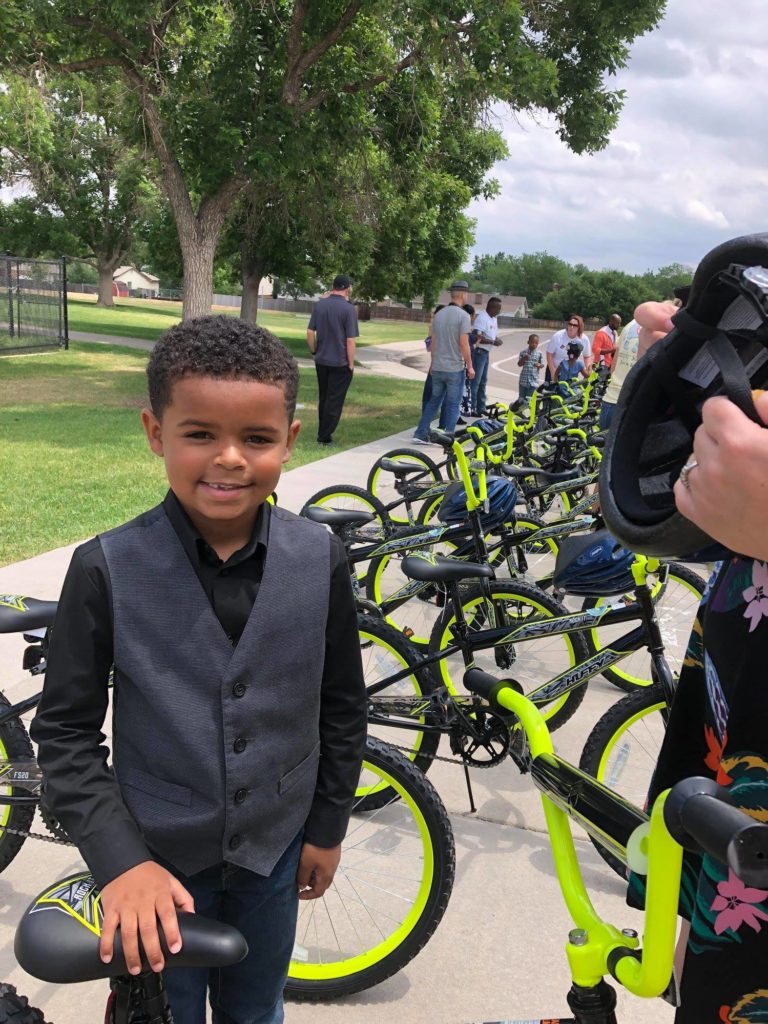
{"x": 498, "y": 954}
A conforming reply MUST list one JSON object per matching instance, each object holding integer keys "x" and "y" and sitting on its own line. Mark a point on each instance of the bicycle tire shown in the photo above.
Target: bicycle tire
{"x": 605, "y": 760}
{"x": 377, "y": 475}
{"x": 626, "y": 675}
{"x": 15, "y": 745}
{"x": 347, "y": 496}
{"x": 524, "y": 594}
{"x": 330, "y": 980}
{"x": 420, "y": 683}
{"x": 15, "y": 1008}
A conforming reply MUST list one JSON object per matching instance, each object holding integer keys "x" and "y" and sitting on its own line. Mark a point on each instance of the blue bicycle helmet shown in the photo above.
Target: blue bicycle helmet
{"x": 502, "y": 498}
{"x": 488, "y": 426}
{"x": 593, "y": 564}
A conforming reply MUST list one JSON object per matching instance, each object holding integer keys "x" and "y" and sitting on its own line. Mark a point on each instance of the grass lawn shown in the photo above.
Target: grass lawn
{"x": 147, "y": 318}
{"x": 75, "y": 460}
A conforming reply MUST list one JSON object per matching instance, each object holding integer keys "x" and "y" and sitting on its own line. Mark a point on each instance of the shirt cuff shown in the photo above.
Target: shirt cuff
{"x": 326, "y": 826}
{"x": 111, "y": 855}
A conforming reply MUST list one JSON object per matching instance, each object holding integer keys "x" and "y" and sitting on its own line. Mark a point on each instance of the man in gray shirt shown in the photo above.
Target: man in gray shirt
{"x": 331, "y": 334}
{"x": 450, "y": 357}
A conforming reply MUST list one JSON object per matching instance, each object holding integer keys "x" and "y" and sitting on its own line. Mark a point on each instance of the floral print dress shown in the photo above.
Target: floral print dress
{"x": 719, "y": 728}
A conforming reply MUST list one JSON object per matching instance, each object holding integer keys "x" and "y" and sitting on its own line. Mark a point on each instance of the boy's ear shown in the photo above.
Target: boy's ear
{"x": 154, "y": 431}
{"x": 293, "y": 433}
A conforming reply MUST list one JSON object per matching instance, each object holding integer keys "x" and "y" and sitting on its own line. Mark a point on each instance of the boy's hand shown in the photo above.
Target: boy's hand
{"x": 135, "y": 901}
{"x": 317, "y": 866}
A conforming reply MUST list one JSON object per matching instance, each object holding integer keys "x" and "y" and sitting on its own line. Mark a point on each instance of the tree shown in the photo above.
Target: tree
{"x": 222, "y": 86}
{"x": 596, "y": 293}
{"x": 27, "y": 230}
{"x": 63, "y": 138}
{"x": 531, "y": 274}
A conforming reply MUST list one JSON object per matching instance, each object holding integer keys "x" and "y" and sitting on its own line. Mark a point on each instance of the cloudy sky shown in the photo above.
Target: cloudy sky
{"x": 686, "y": 169}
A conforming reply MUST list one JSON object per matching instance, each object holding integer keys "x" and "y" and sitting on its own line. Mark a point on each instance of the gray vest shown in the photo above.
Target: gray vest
{"x": 216, "y": 748}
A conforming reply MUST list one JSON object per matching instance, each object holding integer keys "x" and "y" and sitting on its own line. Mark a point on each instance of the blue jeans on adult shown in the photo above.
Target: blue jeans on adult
{"x": 447, "y": 385}
{"x": 606, "y": 415}
{"x": 265, "y": 911}
{"x": 481, "y": 357}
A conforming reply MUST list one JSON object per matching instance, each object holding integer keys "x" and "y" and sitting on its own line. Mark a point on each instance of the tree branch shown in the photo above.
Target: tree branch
{"x": 119, "y": 40}
{"x": 158, "y": 29}
{"x": 299, "y": 63}
{"x": 369, "y": 83}
{"x": 89, "y": 64}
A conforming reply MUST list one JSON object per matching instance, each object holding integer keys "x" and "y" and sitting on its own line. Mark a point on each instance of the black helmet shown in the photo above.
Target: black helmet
{"x": 719, "y": 346}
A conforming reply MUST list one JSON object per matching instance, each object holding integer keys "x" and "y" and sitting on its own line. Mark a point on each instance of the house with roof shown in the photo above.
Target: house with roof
{"x": 130, "y": 280}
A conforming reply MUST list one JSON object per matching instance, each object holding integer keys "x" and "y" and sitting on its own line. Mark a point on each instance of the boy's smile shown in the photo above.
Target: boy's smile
{"x": 224, "y": 443}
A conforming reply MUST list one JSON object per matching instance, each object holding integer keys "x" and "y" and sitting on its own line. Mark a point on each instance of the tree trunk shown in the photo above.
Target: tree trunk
{"x": 198, "y": 274}
{"x": 106, "y": 270}
{"x": 253, "y": 271}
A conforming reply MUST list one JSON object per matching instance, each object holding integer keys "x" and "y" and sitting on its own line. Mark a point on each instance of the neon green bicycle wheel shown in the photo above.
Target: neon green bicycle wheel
{"x": 14, "y": 746}
{"x": 623, "y": 748}
{"x": 381, "y": 482}
{"x": 390, "y": 891}
{"x": 676, "y": 600}
{"x": 531, "y": 663}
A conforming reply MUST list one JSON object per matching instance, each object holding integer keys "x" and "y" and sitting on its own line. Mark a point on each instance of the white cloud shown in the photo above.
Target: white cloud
{"x": 697, "y": 210}
{"x": 684, "y": 170}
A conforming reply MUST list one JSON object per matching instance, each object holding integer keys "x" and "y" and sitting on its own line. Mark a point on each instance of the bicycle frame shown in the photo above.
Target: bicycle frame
{"x": 648, "y": 635}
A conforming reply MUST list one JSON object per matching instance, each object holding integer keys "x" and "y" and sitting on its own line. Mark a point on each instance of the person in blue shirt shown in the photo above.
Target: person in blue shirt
{"x": 571, "y": 366}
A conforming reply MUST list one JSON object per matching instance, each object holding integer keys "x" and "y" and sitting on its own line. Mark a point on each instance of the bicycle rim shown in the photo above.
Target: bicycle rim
{"x": 381, "y": 892}
{"x": 676, "y": 609}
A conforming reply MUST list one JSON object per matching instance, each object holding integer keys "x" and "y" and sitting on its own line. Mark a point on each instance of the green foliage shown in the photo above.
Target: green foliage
{"x": 598, "y": 293}
{"x": 64, "y": 137}
{"x": 532, "y": 274}
{"x": 26, "y": 230}
{"x": 232, "y": 92}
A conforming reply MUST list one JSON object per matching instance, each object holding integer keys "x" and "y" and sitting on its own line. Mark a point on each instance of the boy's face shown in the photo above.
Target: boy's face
{"x": 533, "y": 344}
{"x": 224, "y": 443}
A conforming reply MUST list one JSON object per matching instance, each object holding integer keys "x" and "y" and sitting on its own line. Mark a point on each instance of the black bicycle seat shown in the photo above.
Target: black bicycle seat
{"x": 57, "y": 939}
{"x": 428, "y": 568}
{"x": 543, "y": 476}
{"x": 400, "y": 468}
{"x": 338, "y": 517}
{"x": 444, "y": 440}
{"x": 18, "y": 614}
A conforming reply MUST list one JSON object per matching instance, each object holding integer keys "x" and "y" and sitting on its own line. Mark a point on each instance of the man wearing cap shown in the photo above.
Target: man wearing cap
{"x": 450, "y": 357}
{"x": 331, "y": 334}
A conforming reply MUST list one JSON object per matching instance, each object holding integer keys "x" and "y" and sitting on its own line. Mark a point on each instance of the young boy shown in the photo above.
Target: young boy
{"x": 532, "y": 362}
{"x": 239, "y": 707}
{"x": 572, "y": 366}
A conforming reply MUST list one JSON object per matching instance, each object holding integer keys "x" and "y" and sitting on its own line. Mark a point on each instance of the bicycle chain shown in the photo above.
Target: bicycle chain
{"x": 35, "y": 835}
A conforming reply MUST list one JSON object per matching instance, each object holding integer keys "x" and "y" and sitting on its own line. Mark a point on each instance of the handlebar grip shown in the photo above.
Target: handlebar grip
{"x": 484, "y": 685}
{"x": 700, "y": 816}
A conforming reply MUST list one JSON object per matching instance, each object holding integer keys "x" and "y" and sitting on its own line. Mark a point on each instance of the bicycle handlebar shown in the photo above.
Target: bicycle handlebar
{"x": 701, "y": 817}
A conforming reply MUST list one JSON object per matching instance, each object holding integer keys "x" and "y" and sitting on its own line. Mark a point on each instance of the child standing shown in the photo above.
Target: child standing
{"x": 532, "y": 362}
{"x": 572, "y": 365}
{"x": 239, "y": 712}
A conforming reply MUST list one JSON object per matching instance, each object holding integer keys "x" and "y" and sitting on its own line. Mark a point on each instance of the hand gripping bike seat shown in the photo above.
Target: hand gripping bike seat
{"x": 336, "y": 518}
{"x": 429, "y": 568}
{"x": 18, "y": 614}
{"x": 57, "y": 939}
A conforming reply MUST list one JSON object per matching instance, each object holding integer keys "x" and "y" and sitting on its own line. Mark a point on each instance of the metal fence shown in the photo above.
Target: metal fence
{"x": 33, "y": 304}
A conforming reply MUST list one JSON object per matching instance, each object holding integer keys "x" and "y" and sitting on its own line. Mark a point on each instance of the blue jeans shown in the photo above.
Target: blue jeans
{"x": 606, "y": 415}
{"x": 445, "y": 385}
{"x": 481, "y": 357}
{"x": 265, "y": 911}
{"x": 525, "y": 393}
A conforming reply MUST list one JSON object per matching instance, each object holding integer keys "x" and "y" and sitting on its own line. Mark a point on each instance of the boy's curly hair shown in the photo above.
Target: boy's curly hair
{"x": 222, "y": 347}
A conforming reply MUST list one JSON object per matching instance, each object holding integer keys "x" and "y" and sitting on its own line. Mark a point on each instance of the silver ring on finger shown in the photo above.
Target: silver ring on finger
{"x": 692, "y": 463}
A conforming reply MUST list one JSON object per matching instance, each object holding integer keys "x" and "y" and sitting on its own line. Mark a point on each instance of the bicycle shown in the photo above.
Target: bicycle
{"x": 696, "y": 814}
{"x": 374, "y": 931}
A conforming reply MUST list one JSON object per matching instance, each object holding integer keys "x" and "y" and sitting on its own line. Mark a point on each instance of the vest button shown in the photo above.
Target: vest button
{"x": 240, "y": 745}
{"x": 239, "y": 689}
{"x": 234, "y": 842}
{"x": 240, "y": 795}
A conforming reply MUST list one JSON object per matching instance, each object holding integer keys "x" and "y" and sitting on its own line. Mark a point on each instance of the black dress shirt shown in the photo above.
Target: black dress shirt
{"x": 80, "y": 786}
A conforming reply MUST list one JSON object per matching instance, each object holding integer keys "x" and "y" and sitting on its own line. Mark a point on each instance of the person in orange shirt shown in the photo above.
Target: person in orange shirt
{"x": 604, "y": 342}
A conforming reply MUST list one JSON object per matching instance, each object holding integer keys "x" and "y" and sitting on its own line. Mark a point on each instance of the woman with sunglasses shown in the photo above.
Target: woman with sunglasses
{"x": 557, "y": 346}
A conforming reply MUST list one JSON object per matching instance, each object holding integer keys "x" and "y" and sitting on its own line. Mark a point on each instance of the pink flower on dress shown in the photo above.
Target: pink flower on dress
{"x": 735, "y": 903}
{"x": 757, "y": 595}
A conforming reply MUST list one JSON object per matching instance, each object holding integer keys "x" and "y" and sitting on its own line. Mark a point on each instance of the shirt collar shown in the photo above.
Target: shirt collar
{"x": 198, "y": 549}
